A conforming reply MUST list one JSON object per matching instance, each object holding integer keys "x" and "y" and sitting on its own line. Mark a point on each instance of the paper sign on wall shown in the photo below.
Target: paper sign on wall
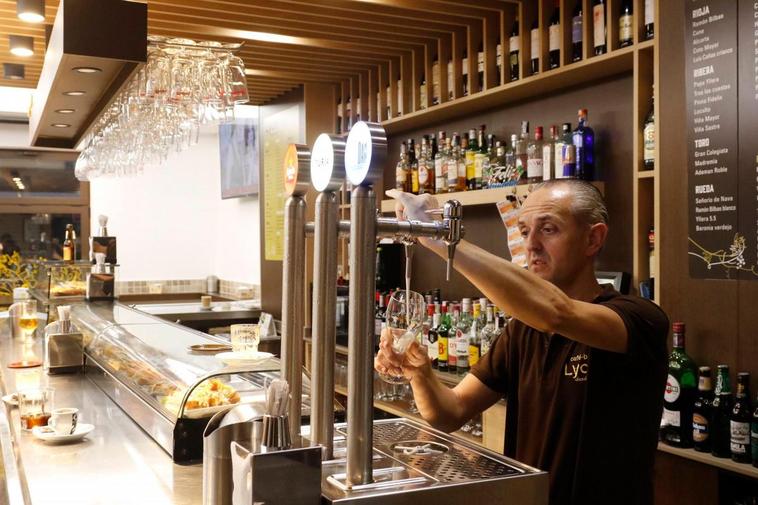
{"x": 509, "y": 214}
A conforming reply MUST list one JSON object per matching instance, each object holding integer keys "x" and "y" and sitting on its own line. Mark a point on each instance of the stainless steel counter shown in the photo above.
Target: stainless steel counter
{"x": 115, "y": 464}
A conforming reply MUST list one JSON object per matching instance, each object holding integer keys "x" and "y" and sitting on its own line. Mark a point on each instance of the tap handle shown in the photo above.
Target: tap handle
{"x": 452, "y": 215}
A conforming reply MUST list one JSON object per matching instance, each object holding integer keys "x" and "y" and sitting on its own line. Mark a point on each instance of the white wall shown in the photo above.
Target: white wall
{"x": 14, "y": 134}
{"x": 172, "y": 224}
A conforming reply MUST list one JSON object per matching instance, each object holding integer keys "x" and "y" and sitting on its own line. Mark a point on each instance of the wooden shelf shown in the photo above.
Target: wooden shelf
{"x": 574, "y": 74}
{"x": 646, "y": 44}
{"x": 708, "y": 459}
{"x": 647, "y": 174}
{"x": 482, "y": 196}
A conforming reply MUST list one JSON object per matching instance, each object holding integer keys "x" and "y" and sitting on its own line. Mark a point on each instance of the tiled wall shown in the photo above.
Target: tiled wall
{"x": 231, "y": 289}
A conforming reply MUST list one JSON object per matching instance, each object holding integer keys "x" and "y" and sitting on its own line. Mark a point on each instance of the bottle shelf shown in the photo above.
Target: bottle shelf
{"x": 708, "y": 459}
{"x": 582, "y": 72}
{"x": 482, "y": 196}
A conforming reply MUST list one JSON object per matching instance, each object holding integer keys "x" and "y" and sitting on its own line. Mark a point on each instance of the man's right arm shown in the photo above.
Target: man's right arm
{"x": 444, "y": 408}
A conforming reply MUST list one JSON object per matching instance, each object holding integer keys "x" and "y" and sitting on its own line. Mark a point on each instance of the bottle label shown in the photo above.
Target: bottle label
{"x": 577, "y": 30}
{"x": 423, "y": 175}
{"x": 462, "y": 346}
{"x": 480, "y": 62}
{"x": 68, "y": 254}
{"x": 649, "y": 12}
{"x": 422, "y": 95}
{"x": 699, "y": 428}
{"x": 568, "y": 161}
{"x": 473, "y": 355}
{"x": 450, "y": 79}
{"x": 464, "y": 65}
{"x": 452, "y": 173}
{"x": 625, "y": 28}
{"x": 740, "y": 436}
{"x": 440, "y": 173}
{"x": 672, "y": 389}
{"x": 555, "y": 37}
{"x": 400, "y": 176}
{"x": 377, "y": 326}
{"x": 514, "y": 44}
{"x": 547, "y": 162}
{"x": 485, "y": 346}
{"x": 534, "y": 168}
{"x": 649, "y": 139}
{"x": 432, "y": 350}
{"x": 442, "y": 349}
{"x": 598, "y": 16}
{"x": 462, "y": 168}
{"x": 672, "y": 417}
{"x": 452, "y": 352}
{"x": 478, "y": 166}
{"x": 559, "y": 160}
{"x": 535, "y": 50}
{"x": 470, "y": 165}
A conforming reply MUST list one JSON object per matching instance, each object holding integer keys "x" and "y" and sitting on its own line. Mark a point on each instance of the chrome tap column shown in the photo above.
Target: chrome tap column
{"x": 327, "y": 174}
{"x": 296, "y": 169}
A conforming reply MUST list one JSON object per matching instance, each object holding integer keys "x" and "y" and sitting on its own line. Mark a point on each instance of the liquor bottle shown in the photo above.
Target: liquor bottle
{"x": 481, "y": 159}
{"x": 413, "y": 165}
{"x": 433, "y": 339}
{"x": 739, "y": 423}
{"x": 402, "y": 171}
{"x": 436, "y": 80}
{"x": 649, "y": 19}
{"x": 548, "y": 154}
{"x": 499, "y": 62}
{"x": 577, "y": 31}
{"x": 339, "y": 114}
{"x": 69, "y": 244}
{"x": 679, "y": 398}
{"x": 514, "y": 46}
{"x": 554, "y": 36}
{"x": 443, "y": 331}
{"x": 535, "y": 49}
{"x": 568, "y": 154}
{"x": 426, "y": 326}
{"x": 399, "y": 87}
{"x": 461, "y": 163}
{"x": 422, "y": 91}
{"x": 480, "y": 67}
{"x": 584, "y": 141}
{"x": 474, "y": 338}
{"x": 471, "y": 151}
{"x": 534, "y": 165}
{"x": 511, "y": 159}
{"x": 489, "y": 160}
{"x": 648, "y": 134}
{"x": 490, "y": 331}
{"x": 464, "y": 71}
{"x": 754, "y": 435}
{"x": 497, "y": 165}
{"x": 626, "y": 24}
{"x": 722, "y": 410}
{"x": 452, "y": 342}
{"x": 462, "y": 330}
{"x": 388, "y": 110}
{"x": 702, "y": 411}
{"x": 379, "y": 314}
{"x": 426, "y": 174}
{"x": 440, "y": 164}
{"x": 651, "y": 254}
{"x": 450, "y": 79}
{"x": 452, "y": 163}
{"x": 521, "y": 154}
{"x": 598, "y": 24}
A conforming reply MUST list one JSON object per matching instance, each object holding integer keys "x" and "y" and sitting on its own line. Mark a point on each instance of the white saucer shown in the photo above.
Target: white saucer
{"x": 244, "y": 358}
{"x": 48, "y": 435}
{"x": 11, "y": 399}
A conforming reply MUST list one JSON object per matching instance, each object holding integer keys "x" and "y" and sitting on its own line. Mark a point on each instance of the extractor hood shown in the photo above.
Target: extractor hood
{"x": 95, "y": 47}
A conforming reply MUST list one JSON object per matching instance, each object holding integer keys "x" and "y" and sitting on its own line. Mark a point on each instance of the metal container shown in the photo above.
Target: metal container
{"x": 211, "y": 284}
{"x": 64, "y": 352}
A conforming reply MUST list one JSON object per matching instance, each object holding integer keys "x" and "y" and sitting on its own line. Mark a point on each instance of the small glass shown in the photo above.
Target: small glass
{"x": 35, "y": 407}
{"x": 24, "y": 315}
{"x": 245, "y": 337}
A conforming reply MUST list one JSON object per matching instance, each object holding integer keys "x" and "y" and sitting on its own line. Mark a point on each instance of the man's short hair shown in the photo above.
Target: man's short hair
{"x": 587, "y": 204}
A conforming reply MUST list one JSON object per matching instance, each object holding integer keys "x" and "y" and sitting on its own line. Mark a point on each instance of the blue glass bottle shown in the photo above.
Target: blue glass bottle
{"x": 584, "y": 141}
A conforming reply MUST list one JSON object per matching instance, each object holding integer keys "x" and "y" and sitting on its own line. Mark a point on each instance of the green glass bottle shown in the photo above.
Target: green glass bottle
{"x": 739, "y": 423}
{"x": 722, "y": 411}
{"x": 680, "y": 394}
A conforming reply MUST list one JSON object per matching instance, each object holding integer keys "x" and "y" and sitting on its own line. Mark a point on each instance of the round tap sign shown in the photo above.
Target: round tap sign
{"x": 358, "y": 152}
{"x": 322, "y": 162}
{"x": 290, "y": 169}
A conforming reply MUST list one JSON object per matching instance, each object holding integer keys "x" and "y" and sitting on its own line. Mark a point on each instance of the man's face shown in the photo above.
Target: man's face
{"x": 558, "y": 246}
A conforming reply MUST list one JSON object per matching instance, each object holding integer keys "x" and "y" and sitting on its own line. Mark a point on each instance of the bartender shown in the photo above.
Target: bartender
{"x": 582, "y": 367}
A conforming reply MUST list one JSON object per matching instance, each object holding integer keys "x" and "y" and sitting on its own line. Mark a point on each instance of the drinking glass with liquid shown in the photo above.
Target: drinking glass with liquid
{"x": 406, "y": 312}
{"x": 35, "y": 407}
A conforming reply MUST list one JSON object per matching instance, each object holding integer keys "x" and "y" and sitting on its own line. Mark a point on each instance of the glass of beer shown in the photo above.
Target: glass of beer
{"x": 27, "y": 316}
{"x": 35, "y": 407}
{"x": 405, "y": 315}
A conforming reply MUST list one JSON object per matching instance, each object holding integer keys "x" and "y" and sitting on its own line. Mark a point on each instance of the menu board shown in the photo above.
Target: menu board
{"x": 723, "y": 189}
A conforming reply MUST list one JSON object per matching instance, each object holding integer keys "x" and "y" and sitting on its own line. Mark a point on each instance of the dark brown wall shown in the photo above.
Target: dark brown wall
{"x": 610, "y": 115}
{"x": 721, "y": 315}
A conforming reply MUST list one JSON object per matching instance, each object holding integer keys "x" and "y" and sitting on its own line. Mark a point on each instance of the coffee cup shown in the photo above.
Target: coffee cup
{"x": 63, "y": 421}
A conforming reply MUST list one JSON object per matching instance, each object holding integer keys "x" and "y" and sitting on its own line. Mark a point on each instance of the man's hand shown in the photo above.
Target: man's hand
{"x": 413, "y": 363}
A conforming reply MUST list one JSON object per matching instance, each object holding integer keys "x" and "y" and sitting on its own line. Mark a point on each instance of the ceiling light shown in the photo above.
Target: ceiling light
{"x": 21, "y": 45}
{"x": 87, "y": 70}
{"x": 60, "y": 125}
{"x": 74, "y": 93}
{"x": 17, "y": 179}
{"x": 31, "y": 11}
{"x": 14, "y": 71}
{"x": 65, "y": 111}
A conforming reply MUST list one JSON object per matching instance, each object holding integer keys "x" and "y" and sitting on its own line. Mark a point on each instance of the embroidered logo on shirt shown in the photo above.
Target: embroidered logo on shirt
{"x": 577, "y": 367}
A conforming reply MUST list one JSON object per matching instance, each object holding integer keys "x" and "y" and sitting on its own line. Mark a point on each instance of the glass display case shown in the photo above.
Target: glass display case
{"x": 62, "y": 281}
{"x": 147, "y": 366}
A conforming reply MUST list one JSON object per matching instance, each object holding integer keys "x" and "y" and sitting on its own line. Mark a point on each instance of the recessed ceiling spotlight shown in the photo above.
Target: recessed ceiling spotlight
{"x": 31, "y": 11}
{"x": 87, "y": 70}
{"x": 65, "y": 111}
{"x": 74, "y": 93}
{"x": 17, "y": 179}
{"x": 13, "y": 71}
{"x": 60, "y": 125}
{"x": 21, "y": 45}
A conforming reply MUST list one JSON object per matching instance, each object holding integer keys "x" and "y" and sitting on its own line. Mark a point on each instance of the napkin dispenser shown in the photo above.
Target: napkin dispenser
{"x": 64, "y": 351}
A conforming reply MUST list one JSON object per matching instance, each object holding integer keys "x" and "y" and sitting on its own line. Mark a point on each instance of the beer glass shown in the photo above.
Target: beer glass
{"x": 405, "y": 315}
{"x": 25, "y": 316}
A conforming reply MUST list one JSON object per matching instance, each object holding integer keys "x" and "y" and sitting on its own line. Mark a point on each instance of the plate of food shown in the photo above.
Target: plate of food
{"x": 205, "y": 400}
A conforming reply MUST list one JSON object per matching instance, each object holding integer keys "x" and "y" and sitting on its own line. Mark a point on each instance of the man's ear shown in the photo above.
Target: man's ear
{"x": 596, "y": 238}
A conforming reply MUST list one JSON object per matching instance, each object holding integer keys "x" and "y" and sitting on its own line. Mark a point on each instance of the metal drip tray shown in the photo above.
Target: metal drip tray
{"x": 414, "y": 463}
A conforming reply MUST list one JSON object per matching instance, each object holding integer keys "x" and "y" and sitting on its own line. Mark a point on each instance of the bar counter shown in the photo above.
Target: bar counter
{"x": 117, "y": 463}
